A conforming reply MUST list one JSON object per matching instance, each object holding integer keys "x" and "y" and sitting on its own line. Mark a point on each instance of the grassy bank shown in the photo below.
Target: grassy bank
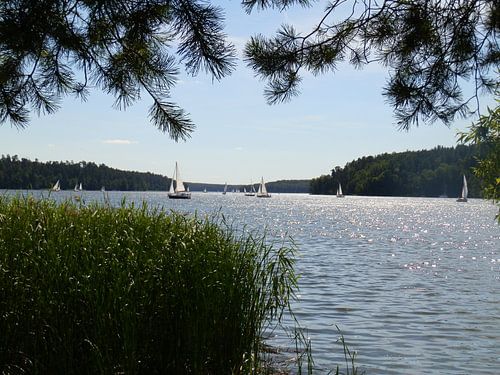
{"x": 100, "y": 290}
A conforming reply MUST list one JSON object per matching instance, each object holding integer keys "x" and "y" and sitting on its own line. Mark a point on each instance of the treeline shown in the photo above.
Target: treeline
{"x": 426, "y": 173}
{"x": 288, "y": 186}
{"x": 22, "y": 173}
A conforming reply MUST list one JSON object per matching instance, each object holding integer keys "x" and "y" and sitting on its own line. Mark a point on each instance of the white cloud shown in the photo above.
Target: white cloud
{"x": 118, "y": 142}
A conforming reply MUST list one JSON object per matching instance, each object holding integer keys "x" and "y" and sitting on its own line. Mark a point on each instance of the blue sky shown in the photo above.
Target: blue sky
{"x": 238, "y": 137}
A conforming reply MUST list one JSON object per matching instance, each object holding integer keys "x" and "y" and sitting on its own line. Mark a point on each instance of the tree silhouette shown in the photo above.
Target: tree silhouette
{"x": 430, "y": 48}
{"x": 129, "y": 48}
{"x": 53, "y": 48}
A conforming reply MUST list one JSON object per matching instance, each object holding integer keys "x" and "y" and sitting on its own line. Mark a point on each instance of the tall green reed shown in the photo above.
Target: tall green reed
{"x": 134, "y": 290}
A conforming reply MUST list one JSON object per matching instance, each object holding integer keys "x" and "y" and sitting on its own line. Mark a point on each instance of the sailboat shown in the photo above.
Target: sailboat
{"x": 78, "y": 187}
{"x": 250, "y": 193}
{"x": 262, "y": 193}
{"x": 339, "y": 192}
{"x": 225, "y": 189}
{"x": 465, "y": 191}
{"x": 56, "y": 187}
{"x": 178, "y": 191}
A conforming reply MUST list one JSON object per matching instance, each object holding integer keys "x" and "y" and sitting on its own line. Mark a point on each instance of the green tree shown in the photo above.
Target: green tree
{"x": 486, "y": 134}
{"x": 127, "y": 48}
{"x": 428, "y": 173}
{"x": 429, "y": 47}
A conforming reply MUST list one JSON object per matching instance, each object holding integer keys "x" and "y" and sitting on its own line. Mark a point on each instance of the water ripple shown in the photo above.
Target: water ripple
{"x": 413, "y": 283}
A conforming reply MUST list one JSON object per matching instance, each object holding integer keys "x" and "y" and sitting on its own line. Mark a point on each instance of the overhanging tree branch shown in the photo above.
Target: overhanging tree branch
{"x": 119, "y": 46}
{"x": 430, "y": 48}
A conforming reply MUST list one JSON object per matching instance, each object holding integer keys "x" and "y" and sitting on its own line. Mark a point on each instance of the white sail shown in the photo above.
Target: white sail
{"x": 80, "y": 187}
{"x": 76, "y": 187}
{"x": 250, "y": 193}
{"x": 339, "y": 191}
{"x": 56, "y": 187}
{"x": 262, "y": 193}
{"x": 178, "y": 191}
{"x": 225, "y": 189}
{"x": 179, "y": 183}
{"x": 465, "y": 191}
{"x": 262, "y": 187}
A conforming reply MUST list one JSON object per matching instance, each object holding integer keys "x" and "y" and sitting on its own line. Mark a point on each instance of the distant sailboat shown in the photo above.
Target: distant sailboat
{"x": 178, "y": 191}
{"x": 103, "y": 189}
{"x": 78, "y": 187}
{"x": 339, "y": 192}
{"x": 262, "y": 192}
{"x": 465, "y": 191}
{"x": 250, "y": 193}
{"x": 56, "y": 187}
{"x": 225, "y": 189}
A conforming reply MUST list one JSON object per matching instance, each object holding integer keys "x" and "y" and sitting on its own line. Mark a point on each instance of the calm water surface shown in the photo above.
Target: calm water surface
{"x": 413, "y": 283}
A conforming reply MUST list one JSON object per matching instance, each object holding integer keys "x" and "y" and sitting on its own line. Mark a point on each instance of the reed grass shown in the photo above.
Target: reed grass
{"x": 134, "y": 290}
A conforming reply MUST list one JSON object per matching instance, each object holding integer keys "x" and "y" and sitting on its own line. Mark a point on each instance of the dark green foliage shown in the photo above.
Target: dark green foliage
{"x": 429, "y": 47}
{"x": 486, "y": 135}
{"x": 288, "y": 186}
{"x": 428, "y": 173}
{"x": 53, "y": 48}
{"x": 22, "y": 173}
{"x": 98, "y": 290}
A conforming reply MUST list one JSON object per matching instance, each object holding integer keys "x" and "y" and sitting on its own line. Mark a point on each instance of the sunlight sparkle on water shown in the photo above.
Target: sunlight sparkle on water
{"x": 413, "y": 283}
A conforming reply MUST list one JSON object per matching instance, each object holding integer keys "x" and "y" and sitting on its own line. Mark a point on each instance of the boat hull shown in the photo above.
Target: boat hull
{"x": 263, "y": 195}
{"x": 179, "y": 195}
{"x": 462, "y": 200}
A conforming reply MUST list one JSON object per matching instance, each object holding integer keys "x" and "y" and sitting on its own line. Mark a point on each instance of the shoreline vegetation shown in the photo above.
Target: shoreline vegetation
{"x": 134, "y": 290}
{"x": 425, "y": 173}
{"x": 95, "y": 289}
{"x": 21, "y": 173}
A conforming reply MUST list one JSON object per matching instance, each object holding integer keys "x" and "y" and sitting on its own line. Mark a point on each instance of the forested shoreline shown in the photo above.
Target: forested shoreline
{"x": 22, "y": 173}
{"x": 425, "y": 173}
{"x": 16, "y": 173}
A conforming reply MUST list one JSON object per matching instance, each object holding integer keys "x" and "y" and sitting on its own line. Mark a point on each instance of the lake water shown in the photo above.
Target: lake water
{"x": 413, "y": 283}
